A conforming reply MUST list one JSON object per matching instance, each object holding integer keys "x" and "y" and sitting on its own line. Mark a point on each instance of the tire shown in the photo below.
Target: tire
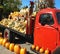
{"x": 11, "y": 38}
{"x": 57, "y": 51}
{"x": 6, "y": 34}
{"x": 9, "y": 35}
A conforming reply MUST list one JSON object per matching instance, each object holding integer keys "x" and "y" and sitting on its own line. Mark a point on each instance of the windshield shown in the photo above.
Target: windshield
{"x": 58, "y": 17}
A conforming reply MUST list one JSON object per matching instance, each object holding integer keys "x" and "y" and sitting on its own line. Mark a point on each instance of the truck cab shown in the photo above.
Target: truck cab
{"x": 47, "y": 29}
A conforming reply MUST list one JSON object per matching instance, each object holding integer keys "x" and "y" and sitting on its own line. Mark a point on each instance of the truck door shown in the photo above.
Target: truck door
{"x": 45, "y": 35}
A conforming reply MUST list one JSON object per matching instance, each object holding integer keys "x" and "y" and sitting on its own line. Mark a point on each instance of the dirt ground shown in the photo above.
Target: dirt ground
{"x": 3, "y": 50}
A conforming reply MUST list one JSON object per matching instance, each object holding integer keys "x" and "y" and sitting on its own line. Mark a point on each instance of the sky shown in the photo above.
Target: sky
{"x": 26, "y": 3}
{"x": 57, "y": 4}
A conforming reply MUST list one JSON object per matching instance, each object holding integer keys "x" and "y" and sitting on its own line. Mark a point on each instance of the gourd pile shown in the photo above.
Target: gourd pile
{"x": 41, "y": 50}
{"x": 16, "y": 48}
{"x": 15, "y": 21}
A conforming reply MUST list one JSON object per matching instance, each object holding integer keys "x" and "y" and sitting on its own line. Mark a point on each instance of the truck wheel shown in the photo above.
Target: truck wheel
{"x": 57, "y": 51}
{"x": 9, "y": 35}
{"x": 11, "y": 38}
{"x": 6, "y": 33}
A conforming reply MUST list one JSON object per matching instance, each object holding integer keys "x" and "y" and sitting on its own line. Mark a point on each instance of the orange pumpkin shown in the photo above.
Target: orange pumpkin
{"x": 4, "y": 41}
{"x": 41, "y": 50}
{"x": 11, "y": 47}
{"x": 46, "y": 51}
{"x": 7, "y": 45}
{"x": 1, "y": 40}
{"x": 33, "y": 47}
{"x": 17, "y": 49}
{"x": 37, "y": 48}
{"x": 23, "y": 51}
{"x": 0, "y": 34}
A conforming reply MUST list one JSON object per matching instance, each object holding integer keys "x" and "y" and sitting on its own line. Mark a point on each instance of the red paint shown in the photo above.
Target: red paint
{"x": 30, "y": 25}
{"x": 47, "y": 36}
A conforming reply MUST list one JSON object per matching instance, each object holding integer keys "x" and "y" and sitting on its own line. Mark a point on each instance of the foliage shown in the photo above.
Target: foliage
{"x": 10, "y": 6}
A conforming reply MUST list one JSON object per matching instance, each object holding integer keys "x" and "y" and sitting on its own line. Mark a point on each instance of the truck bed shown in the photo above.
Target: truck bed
{"x": 21, "y": 41}
{"x": 2, "y": 28}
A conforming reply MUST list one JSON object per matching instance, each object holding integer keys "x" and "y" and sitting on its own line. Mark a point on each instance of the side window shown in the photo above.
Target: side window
{"x": 46, "y": 19}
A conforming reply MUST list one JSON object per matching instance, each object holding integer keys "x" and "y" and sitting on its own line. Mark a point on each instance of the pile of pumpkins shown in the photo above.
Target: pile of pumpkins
{"x": 16, "y": 48}
{"x": 40, "y": 50}
{"x": 15, "y": 21}
{"x": 34, "y": 14}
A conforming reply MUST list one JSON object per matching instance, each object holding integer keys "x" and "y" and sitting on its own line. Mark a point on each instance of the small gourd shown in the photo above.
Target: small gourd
{"x": 33, "y": 47}
{"x": 7, "y": 45}
{"x": 23, "y": 51}
{"x": 4, "y": 41}
{"x": 11, "y": 47}
{"x": 1, "y": 40}
{"x": 37, "y": 48}
{"x": 17, "y": 49}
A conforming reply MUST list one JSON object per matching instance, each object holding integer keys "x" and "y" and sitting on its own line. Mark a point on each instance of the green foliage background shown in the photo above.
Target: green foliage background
{"x": 10, "y": 6}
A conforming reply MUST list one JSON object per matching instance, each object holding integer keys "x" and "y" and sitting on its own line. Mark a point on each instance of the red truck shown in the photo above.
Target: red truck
{"x": 47, "y": 29}
{"x": 43, "y": 30}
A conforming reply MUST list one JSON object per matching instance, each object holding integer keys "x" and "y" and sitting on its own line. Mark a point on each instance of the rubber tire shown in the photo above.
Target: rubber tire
{"x": 57, "y": 51}
{"x": 11, "y": 38}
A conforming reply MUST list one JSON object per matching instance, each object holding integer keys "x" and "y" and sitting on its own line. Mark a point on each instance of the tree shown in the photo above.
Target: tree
{"x": 51, "y": 3}
{"x": 41, "y": 4}
{"x": 48, "y": 3}
{"x": 1, "y": 9}
{"x": 10, "y": 6}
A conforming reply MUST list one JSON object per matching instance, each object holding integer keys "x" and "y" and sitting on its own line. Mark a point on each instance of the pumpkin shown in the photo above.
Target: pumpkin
{"x": 0, "y": 34}
{"x": 34, "y": 14}
{"x": 37, "y": 48}
{"x": 7, "y": 45}
{"x": 17, "y": 49}
{"x": 46, "y": 51}
{"x": 11, "y": 47}
{"x": 1, "y": 40}
{"x": 23, "y": 51}
{"x": 4, "y": 41}
{"x": 33, "y": 47}
{"x": 41, "y": 50}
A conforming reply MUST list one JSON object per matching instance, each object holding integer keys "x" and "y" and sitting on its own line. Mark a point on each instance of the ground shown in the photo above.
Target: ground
{"x": 3, "y": 50}
{"x": 27, "y": 45}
